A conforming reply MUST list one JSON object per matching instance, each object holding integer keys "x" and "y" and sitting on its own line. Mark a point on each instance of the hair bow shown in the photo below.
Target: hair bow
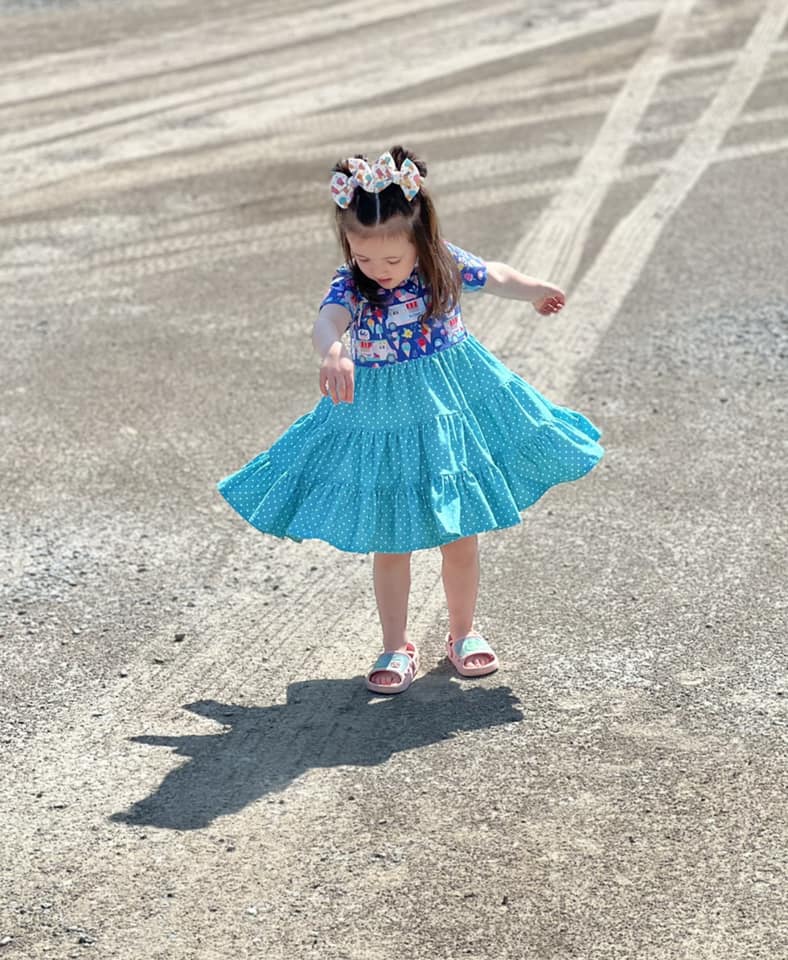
{"x": 374, "y": 178}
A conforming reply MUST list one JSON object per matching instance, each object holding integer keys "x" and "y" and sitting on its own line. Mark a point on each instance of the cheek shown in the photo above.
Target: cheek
{"x": 405, "y": 265}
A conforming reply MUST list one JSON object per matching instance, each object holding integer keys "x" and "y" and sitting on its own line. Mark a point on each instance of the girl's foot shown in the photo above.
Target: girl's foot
{"x": 471, "y": 655}
{"x": 394, "y": 670}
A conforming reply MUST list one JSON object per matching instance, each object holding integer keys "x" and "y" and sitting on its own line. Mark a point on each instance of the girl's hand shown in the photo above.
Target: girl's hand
{"x": 551, "y": 300}
{"x": 336, "y": 374}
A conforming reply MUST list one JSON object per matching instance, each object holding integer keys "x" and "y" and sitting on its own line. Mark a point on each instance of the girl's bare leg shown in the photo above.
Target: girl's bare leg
{"x": 391, "y": 574}
{"x": 460, "y": 572}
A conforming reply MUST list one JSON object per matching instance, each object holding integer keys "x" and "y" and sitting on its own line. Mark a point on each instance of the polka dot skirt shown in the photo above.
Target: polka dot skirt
{"x": 431, "y": 450}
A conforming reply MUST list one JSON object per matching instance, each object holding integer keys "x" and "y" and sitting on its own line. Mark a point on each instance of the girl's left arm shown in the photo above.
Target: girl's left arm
{"x": 505, "y": 281}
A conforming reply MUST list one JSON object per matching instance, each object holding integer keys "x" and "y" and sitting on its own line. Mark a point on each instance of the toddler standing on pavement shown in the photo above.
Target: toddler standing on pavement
{"x": 423, "y": 437}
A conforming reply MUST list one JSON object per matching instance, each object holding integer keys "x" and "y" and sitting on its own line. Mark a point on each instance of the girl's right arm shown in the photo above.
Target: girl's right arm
{"x": 336, "y": 370}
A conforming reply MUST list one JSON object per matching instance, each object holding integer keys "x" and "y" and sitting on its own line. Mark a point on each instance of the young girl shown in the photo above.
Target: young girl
{"x": 423, "y": 438}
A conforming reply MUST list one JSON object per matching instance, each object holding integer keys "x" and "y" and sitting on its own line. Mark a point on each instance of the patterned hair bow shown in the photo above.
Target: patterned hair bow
{"x": 375, "y": 177}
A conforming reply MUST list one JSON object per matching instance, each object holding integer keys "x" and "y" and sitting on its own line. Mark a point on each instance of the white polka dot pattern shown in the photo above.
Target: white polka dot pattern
{"x": 438, "y": 448}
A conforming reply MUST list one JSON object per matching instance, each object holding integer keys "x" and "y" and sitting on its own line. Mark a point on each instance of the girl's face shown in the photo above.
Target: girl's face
{"x": 388, "y": 259}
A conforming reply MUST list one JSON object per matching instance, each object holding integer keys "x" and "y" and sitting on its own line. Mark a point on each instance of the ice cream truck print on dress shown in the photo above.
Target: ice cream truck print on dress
{"x": 370, "y": 351}
{"x": 391, "y": 329}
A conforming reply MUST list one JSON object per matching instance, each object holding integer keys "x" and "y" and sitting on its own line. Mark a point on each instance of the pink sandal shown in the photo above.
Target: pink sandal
{"x": 458, "y": 651}
{"x": 404, "y": 665}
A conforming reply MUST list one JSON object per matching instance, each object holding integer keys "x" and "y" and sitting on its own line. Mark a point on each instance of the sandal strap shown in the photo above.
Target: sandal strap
{"x": 470, "y": 645}
{"x": 395, "y": 662}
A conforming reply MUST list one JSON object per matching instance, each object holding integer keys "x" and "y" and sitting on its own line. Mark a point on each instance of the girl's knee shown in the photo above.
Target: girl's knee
{"x": 466, "y": 548}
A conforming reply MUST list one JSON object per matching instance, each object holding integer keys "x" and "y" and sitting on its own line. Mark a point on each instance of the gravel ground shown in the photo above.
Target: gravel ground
{"x": 191, "y": 765}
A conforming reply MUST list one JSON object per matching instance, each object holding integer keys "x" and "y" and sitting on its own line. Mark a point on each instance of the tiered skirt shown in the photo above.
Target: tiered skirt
{"x": 431, "y": 450}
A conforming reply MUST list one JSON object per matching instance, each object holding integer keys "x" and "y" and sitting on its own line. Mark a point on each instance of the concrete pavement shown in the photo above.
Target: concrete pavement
{"x": 191, "y": 765}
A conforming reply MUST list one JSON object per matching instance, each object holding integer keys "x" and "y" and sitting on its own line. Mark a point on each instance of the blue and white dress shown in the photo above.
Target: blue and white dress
{"x": 441, "y": 441}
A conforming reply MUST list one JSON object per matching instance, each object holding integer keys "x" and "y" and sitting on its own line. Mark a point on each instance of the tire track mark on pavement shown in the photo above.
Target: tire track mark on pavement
{"x": 557, "y": 351}
{"x": 184, "y": 50}
{"x": 527, "y": 86}
{"x": 213, "y": 97}
{"x": 216, "y": 237}
{"x": 553, "y": 247}
{"x": 207, "y": 236}
{"x": 404, "y": 68}
{"x": 179, "y": 251}
{"x": 621, "y": 121}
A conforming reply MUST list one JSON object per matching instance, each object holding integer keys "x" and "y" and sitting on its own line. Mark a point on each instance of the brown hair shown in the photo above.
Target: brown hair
{"x": 391, "y": 211}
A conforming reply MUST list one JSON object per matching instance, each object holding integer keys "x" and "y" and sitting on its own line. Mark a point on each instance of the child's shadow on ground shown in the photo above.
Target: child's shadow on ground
{"x": 325, "y": 723}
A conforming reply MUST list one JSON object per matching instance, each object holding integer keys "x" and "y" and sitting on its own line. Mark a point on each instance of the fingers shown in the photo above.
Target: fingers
{"x": 550, "y": 304}
{"x": 340, "y": 388}
{"x": 348, "y": 388}
{"x": 328, "y": 389}
{"x": 328, "y": 386}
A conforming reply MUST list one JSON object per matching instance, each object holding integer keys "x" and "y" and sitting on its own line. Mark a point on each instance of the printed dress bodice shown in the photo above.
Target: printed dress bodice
{"x": 393, "y": 330}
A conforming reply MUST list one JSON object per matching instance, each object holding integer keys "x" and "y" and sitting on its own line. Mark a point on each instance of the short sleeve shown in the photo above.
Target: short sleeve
{"x": 473, "y": 270}
{"x": 342, "y": 290}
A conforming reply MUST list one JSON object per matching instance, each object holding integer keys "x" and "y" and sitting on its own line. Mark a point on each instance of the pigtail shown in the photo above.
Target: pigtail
{"x": 436, "y": 264}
